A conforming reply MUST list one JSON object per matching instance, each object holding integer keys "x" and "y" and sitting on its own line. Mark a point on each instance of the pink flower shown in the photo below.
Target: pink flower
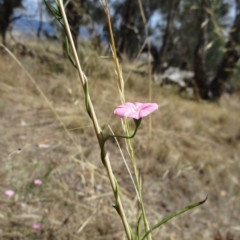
{"x": 135, "y": 110}
{"x": 38, "y": 182}
{"x": 37, "y": 226}
{"x": 9, "y": 193}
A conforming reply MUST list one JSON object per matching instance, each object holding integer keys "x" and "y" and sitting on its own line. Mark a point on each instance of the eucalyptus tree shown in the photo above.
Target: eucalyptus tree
{"x": 211, "y": 40}
{"x": 199, "y": 36}
{"x": 6, "y": 12}
{"x": 171, "y": 8}
{"x": 79, "y": 13}
{"x": 75, "y": 10}
{"x": 128, "y": 24}
{"x": 200, "y": 50}
{"x": 230, "y": 58}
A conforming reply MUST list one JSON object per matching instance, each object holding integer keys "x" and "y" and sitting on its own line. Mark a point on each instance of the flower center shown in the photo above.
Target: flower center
{"x": 134, "y": 109}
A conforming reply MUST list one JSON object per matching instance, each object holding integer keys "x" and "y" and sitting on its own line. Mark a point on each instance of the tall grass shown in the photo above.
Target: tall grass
{"x": 61, "y": 17}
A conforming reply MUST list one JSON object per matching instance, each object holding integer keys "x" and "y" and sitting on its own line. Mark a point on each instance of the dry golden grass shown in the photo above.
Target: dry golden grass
{"x": 194, "y": 151}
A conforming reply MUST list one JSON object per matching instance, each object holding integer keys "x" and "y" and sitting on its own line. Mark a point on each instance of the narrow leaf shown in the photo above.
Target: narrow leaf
{"x": 52, "y": 9}
{"x": 138, "y": 226}
{"x": 68, "y": 52}
{"x": 131, "y": 232}
{"x": 166, "y": 219}
{"x": 86, "y": 99}
{"x": 116, "y": 195}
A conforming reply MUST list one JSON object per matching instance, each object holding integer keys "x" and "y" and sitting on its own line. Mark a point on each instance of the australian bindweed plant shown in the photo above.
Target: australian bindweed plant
{"x": 125, "y": 110}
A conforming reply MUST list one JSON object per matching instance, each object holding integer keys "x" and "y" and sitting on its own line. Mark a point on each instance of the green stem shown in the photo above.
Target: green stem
{"x": 146, "y": 225}
{"x": 139, "y": 187}
{"x": 137, "y": 124}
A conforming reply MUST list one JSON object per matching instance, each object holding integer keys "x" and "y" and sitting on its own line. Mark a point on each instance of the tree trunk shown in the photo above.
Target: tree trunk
{"x": 159, "y": 57}
{"x": 6, "y": 10}
{"x": 199, "y": 55}
{"x": 74, "y": 12}
{"x": 39, "y": 30}
{"x": 125, "y": 28}
{"x": 230, "y": 58}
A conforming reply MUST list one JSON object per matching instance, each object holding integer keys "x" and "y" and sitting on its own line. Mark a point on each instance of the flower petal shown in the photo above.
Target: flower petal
{"x": 38, "y": 182}
{"x": 37, "y": 226}
{"x": 147, "y": 108}
{"x": 9, "y": 193}
{"x": 135, "y": 110}
{"x": 134, "y": 115}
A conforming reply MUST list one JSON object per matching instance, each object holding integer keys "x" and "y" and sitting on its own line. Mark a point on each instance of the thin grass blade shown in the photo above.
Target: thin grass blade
{"x": 166, "y": 219}
{"x": 138, "y": 226}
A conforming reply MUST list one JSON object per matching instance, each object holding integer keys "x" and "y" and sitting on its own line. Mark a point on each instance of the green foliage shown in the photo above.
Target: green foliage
{"x": 186, "y": 32}
{"x": 129, "y": 30}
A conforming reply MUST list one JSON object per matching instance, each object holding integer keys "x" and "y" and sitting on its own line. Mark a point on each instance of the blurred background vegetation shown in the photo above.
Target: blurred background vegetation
{"x": 200, "y": 36}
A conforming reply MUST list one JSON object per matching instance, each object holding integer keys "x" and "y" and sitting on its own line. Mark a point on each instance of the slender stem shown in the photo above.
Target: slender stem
{"x": 94, "y": 119}
{"x": 119, "y": 75}
{"x": 120, "y": 207}
{"x": 104, "y": 139}
{"x": 150, "y": 118}
{"x": 139, "y": 187}
{"x": 121, "y": 89}
{"x": 80, "y": 72}
{"x": 137, "y": 124}
{"x": 147, "y": 228}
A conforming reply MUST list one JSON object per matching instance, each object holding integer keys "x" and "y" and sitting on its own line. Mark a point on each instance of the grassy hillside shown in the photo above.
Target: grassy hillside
{"x": 191, "y": 151}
